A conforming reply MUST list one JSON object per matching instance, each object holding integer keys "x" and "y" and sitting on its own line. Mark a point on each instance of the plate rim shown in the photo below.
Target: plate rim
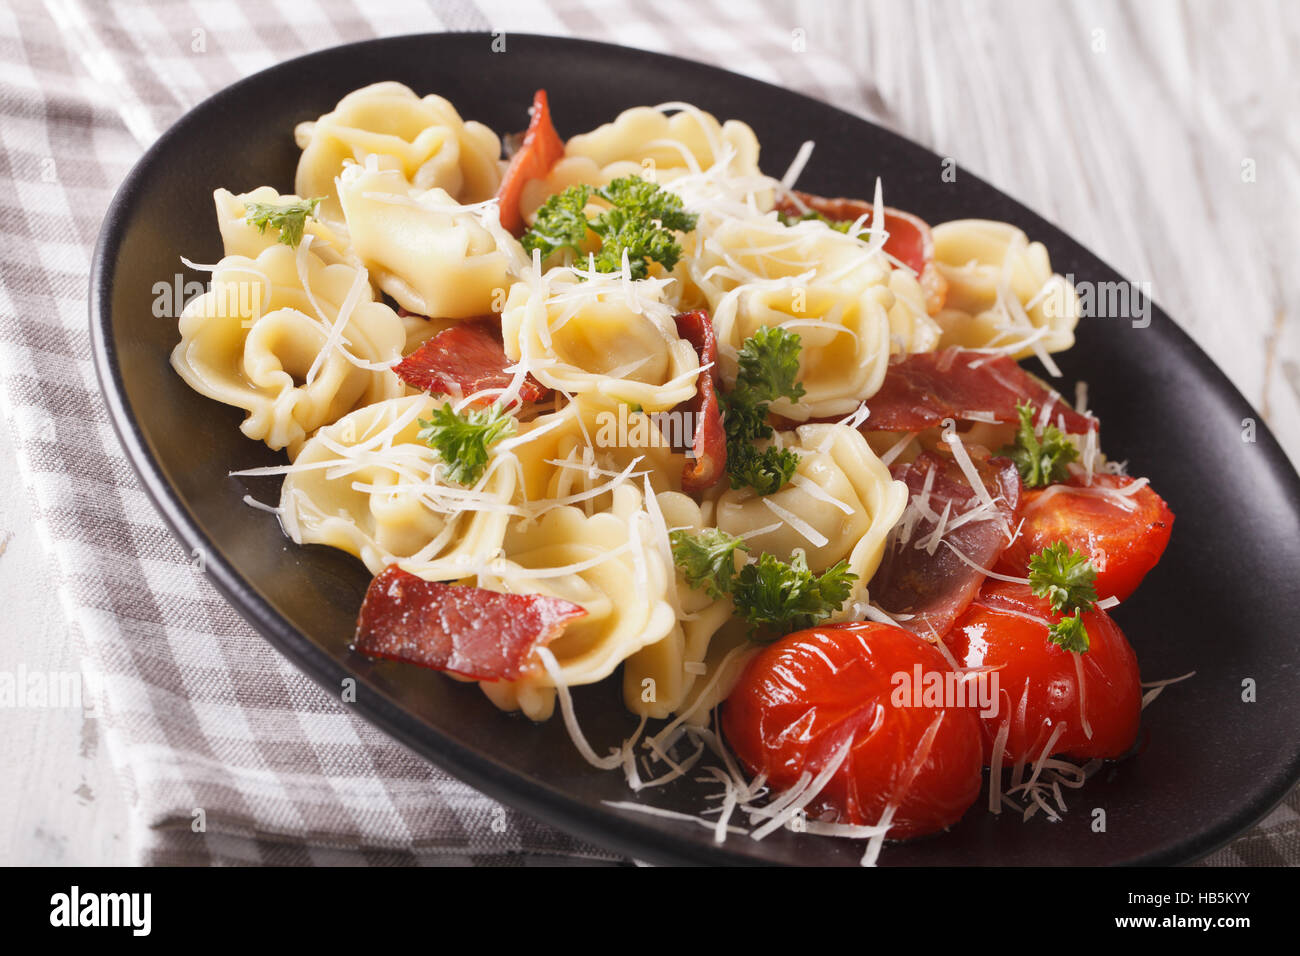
{"x": 621, "y": 833}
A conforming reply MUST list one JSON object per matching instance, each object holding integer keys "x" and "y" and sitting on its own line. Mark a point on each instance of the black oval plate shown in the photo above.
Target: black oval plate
{"x": 1223, "y": 602}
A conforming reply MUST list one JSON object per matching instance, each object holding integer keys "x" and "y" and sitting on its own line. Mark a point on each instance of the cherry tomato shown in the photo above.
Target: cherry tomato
{"x": 803, "y": 698}
{"x": 1038, "y": 685}
{"x": 1124, "y": 536}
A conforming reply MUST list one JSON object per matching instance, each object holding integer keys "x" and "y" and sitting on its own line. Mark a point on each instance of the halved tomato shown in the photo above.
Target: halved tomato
{"x": 803, "y": 699}
{"x": 1122, "y": 530}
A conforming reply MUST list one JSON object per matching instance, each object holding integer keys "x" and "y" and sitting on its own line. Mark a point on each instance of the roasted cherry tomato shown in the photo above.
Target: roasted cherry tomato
{"x": 1096, "y": 694}
{"x": 1123, "y": 535}
{"x": 802, "y": 699}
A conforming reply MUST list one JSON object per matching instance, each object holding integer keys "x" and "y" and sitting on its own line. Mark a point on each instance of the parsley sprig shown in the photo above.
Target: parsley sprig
{"x": 774, "y": 597}
{"x": 289, "y": 218}
{"x": 768, "y": 365}
{"x": 1068, "y": 580}
{"x": 462, "y": 439}
{"x": 1042, "y": 460}
{"x": 707, "y": 559}
{"x": 642, "y": 220}
{"x": 777, "y": 598}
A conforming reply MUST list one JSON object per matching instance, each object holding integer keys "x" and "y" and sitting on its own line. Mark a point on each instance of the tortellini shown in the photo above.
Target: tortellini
{"x": 368, "y": 485}
{"x": 811, "y": 279}
{"x": 739, "y": 252}
{"x": 1001, "y": 289}
{"x": 658, "y": 679}
{"x": 572, "y": 455}
{"x": 423, "y": 139}
{"x": 661, "y": 144}
{"x": 603, "y": 562}
{"x": 433, "y": 256}
{"x": 841, "y": 504}
{"x": 240, "y": 237}
{"x": 687, "y": 140}
{"x": 599, "y": 339}
{"x": 296, "y": 342}
{"x": 844, "y": 339}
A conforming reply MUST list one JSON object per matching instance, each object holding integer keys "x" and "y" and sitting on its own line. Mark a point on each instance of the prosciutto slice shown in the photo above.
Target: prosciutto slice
{"x": 542, "y": 148}
{"x": 909, "y": 241}
{"x": 462, "y": 360}
{"x": 480, "y": 634}
{"x": 924, "y": 388}
{"x": 921, "y": 574}
{"x": 709, "y": 448}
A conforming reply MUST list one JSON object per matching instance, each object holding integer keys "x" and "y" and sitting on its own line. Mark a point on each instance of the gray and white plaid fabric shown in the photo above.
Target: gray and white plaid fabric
{"x": 197, "y": 711}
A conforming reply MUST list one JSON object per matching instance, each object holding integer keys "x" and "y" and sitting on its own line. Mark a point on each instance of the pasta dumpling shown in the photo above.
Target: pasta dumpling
{"x": 844, "y": 340}
{"x": 603, "y": 338}
{"x": 575, "y": 455}
{"x": 423, "y": 139}
{"x": 663, "y": 144}
{"x": 1001, "y": 290}
{"x": 739, "y": 252}
{"x": 841, "y": 504}
{"x": 239, "y": 237}
{"x": 296, "y": 342}
{"x": 659, "y": 678}
{"x": 432, "y": 255}
{"x": 600, "y": 562}
{"x": 367, "y": 484}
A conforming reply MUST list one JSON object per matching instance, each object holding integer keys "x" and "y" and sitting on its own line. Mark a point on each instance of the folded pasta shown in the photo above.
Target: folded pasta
{"x": 294, "y": 341}
{"x": 423, "y": 139}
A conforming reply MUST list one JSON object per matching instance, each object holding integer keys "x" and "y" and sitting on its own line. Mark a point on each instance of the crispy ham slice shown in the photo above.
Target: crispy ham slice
{"x": 709, "y": 446}
{"x": 542, "y": 148}
{"x": 473, "y": 632}
{"x": 463, "y": 360}
{"x": 910, "y": 240}
{"x": 922, "y": 389}
{"x": 933, "y": 583}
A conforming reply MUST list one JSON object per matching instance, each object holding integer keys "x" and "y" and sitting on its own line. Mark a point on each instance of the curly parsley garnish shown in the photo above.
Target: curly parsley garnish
{"x": 462, "y": 439}
{"x": 707, "y": 559}
{"x": 769, "y": 364}
{"x": 1068, "y": 580}
{"x": 1069, "y": 633}
{"x": 289, "y": 218}
{"x": 774, "y": 597}
{"x": 1041, "y": 460}
{"x": 777, "y": 598}
{"x": 642, "y": 220}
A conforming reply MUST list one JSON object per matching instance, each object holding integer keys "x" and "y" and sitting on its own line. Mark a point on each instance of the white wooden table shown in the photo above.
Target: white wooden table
{"x": 1164, "y": 136}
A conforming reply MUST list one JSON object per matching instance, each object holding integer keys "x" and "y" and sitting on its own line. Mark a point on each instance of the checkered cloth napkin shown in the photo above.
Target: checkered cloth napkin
{"x": 197, "y": 711}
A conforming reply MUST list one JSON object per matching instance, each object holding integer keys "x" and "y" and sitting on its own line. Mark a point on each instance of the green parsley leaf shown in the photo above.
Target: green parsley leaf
{"x": 707, "y": 559}
{"x": 290, "y": 218}
{"x": 561, "y": 222}
{"x": 1042, "y": 461}
{"x": 768, "y": 365}
{"x": 1069, "y": 633}
{"x": 641, "y": 199}
{"x": 462, "y": 440}
{"x": 642, "y": 221}
{"x": 766, "y": 471}
{"x": 777, "y": 598}
{"x": 1065, "y": 577}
